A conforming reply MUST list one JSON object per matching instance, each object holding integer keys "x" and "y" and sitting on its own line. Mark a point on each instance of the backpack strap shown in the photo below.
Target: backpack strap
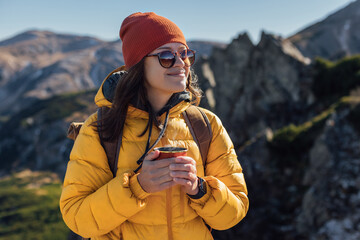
{"x": 112, "y": 149}
{"x": 200, "y": 129}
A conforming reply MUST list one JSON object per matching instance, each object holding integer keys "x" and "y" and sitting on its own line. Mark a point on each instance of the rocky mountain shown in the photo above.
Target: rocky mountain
{"x": 253, "y": 87}
{"x": 303, "y": 184}
{"x": 336, "y": 36}
{"x": 35, "y": 138}
{"x": 40, "y": 64}
{"x": 37, "y": 65}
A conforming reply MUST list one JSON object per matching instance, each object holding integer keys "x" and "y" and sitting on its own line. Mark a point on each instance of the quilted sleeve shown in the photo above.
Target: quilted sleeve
{"x": 92, "y": 202}
{"x": 226, "y": 201}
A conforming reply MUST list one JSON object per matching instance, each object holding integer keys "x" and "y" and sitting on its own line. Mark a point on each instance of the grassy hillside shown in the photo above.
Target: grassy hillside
{"x": 335, "y": 79}
{"x": 29, "y": 207}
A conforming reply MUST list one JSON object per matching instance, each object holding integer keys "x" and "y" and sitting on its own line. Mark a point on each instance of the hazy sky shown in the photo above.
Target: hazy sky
{"x": 199, "y": 20}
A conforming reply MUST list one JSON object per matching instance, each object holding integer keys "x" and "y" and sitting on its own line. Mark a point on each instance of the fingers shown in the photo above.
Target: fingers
{"x": 163, "y": 179}
{"x": 185, "y": 182}
{"x": 152, "y": 155}
{"x": 158, "y": 164}
{"x": 152, "y": 185}
{"x": 160, "y": 174}
{"x": 190, "y": 187}
{"x": 185, "y": 159}
{"x": 182, "y": 167}
{"x": 184, "y": 175}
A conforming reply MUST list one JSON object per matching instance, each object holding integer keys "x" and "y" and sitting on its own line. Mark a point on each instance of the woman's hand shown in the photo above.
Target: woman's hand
{"x": 155, "y": 174}
{"x": 184, "y": 172}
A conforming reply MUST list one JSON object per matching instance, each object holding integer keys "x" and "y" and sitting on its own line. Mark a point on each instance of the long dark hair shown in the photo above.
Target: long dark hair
{"x": 131, "y": 89}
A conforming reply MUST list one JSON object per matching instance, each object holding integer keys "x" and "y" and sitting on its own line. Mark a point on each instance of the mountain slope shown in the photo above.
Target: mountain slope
{"x": 29, "y": 207}
{"x": 336, "y": 36}
{"x": 40, "y": 64}
{"x": 37, "y": 65}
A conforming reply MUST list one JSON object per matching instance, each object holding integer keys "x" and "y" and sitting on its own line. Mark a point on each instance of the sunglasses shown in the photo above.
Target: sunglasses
{"x": 167, "y": 59}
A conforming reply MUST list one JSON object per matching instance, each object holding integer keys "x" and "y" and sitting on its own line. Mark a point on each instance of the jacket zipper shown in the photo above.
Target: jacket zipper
{"x": 169, "y": 213}
{"x": 168, "y": 207}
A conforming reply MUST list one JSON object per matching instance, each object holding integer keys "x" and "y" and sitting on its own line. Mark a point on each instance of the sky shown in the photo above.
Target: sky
{"x": 199, "y": 20}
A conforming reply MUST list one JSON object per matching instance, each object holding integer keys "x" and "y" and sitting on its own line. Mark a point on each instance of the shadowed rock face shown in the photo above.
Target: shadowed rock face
{"x": 252, "y": 87}
{"x": 308, "y": 194}
{"x": 336, "y": 36}
{"x": 330, "y": 206}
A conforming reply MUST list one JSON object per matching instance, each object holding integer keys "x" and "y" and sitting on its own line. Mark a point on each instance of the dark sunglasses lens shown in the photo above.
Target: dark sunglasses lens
{"x": 188, "y": 56}
{"x": 166, "y": 59}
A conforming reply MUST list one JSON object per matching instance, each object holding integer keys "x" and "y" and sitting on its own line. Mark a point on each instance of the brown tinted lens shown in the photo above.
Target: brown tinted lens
{"x": 188, "y": 56}
{"x": 166, "y": 59}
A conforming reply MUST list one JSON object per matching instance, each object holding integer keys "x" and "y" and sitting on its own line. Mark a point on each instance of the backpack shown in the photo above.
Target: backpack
{"x": 195, "y": 119}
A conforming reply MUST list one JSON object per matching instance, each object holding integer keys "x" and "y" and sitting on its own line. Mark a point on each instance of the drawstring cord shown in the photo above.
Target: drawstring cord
{"x": 149, "y": 137}
{"x": 162, "y": 132}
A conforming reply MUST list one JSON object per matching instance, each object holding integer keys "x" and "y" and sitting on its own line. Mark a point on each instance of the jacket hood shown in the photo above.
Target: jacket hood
{"x": 105, "y": 94}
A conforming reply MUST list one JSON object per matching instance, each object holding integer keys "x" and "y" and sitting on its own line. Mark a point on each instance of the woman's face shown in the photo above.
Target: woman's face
{"x": 163, "y": 82}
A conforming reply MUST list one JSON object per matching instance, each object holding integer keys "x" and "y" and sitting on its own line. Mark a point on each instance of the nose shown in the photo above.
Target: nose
{"x": 178, "y": 61}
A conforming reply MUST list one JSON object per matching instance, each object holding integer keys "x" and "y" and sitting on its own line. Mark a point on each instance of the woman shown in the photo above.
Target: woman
{"x": 171, "y": 198}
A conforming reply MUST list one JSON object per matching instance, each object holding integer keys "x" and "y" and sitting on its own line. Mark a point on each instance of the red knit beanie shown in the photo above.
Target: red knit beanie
{"x": 141, "y": 33}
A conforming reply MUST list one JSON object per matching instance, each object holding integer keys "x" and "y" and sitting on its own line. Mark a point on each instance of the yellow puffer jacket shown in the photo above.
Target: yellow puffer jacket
{"x": 96, "y": 205}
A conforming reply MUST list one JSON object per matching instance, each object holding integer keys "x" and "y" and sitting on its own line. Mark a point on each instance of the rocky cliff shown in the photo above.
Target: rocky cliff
{"x": 254, "y": 87}
{"x": 304, "y": 185}
{"x": 329, "y": 208}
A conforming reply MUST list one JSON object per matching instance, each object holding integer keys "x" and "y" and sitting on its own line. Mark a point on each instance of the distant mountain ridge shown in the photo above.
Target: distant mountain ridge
{"x": 39, "y": 64}
{"x": 336, "y": 36}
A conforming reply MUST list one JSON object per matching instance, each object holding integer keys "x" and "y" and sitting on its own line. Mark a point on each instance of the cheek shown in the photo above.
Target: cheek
{"x": 153, "y": 77}
{"x": 151, "y": 72}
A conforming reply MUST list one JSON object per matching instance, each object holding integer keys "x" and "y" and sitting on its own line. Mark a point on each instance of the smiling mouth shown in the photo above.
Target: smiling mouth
{"x": 181, "y": 74}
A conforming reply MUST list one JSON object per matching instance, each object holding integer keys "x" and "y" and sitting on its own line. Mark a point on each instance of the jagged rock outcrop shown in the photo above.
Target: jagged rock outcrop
{"x": 330, "y": 207}
{"x": 299, "y": 192}
{"x": 254, "y": 87}
{"x": 336, "y": 36}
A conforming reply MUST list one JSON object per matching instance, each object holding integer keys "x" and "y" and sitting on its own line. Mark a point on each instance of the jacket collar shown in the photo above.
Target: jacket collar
{"x": 176, "y": 108}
